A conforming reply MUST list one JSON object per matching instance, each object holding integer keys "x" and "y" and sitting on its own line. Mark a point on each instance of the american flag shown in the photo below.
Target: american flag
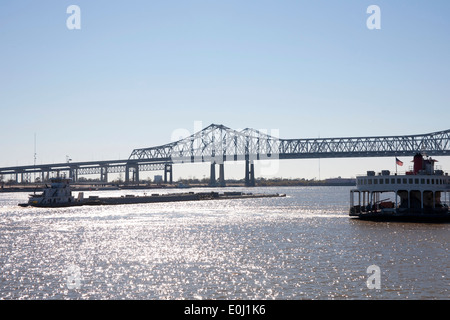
{"x": 400, "y": 163}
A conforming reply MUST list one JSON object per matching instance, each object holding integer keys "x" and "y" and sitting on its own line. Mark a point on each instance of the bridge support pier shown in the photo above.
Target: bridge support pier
{"x": 249, "y": 173}
{"x": 25, "y": 177}
{"x": 212, "y": 176}
{"x": 168, "y": 170}
{"x": 212, "y": 179}
{"x": 135, "y": 175}
{"x": 221, "y": 175}
{"x": 104, "y": 174}
{"x": 73, "y": 174}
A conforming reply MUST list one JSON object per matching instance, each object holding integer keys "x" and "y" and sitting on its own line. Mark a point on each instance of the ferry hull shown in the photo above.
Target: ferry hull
{"x": 407, "y": 216}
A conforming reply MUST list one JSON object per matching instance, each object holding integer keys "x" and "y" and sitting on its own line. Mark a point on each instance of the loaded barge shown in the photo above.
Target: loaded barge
{"x": 421, "y": 194}
{"x": 59, "y": 194}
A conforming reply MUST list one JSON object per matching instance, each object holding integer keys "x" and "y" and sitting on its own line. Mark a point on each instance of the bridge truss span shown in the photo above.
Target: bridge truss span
{"x": 437, "y": 143}
{"x": 217, "y": 143}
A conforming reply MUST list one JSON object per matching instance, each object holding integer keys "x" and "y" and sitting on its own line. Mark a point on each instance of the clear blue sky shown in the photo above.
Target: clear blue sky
{"x": 138, "y": 70}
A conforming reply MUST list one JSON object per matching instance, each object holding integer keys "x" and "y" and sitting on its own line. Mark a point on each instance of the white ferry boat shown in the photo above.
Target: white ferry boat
{"x": 420, "y": 194}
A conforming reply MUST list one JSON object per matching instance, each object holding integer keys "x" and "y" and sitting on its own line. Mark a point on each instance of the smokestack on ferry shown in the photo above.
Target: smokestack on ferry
{"x": 422, "y": 165}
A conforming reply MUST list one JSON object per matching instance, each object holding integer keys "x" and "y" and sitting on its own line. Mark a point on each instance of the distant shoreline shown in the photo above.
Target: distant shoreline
{"x": 98, "y": 186}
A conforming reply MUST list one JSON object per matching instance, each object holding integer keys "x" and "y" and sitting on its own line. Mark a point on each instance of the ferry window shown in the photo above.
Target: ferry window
{"x": 381, "y": 181}
{"x": 370, "y": 181}
{"x": 375, "y": 181}
{"x": 432, "y": 181}
{"x": 393, "y": 181}
{"x": 428, "y": 181}
{"x": 386, "y": 181}
{"x": 410, "y": 180}
{"x": 399, "y": 180}
{"x": 422, "y": 181}
{"x": 416, "y": 181}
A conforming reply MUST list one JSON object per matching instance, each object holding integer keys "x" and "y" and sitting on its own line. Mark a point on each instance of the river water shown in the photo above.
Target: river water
{"x": 303, "y": 246}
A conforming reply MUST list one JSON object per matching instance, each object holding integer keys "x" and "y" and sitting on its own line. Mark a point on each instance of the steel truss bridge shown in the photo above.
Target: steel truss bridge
{"x": 216, "y": 144}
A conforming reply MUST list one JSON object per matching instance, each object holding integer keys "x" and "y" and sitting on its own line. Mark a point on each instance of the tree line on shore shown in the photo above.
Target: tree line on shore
{"x": 206, "y": 181}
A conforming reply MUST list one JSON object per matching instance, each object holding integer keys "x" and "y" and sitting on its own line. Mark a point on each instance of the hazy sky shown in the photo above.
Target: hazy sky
{"x": 137, "y": 71}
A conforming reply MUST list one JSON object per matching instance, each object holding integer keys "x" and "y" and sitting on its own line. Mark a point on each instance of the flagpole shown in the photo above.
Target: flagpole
{"x": 397, "y": 162}
{"x": 396, "y": 165}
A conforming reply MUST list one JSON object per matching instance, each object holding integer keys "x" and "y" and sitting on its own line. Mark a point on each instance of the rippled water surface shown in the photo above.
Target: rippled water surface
{"x": 303, "y": 246}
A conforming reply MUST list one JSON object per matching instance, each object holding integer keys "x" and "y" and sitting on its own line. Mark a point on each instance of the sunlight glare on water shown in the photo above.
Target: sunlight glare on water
{"x": 303, "y": 246}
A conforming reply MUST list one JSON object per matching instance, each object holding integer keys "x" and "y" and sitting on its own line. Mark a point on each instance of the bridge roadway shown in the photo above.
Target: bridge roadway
{"x": 75, "y": 169}
{"x": 216, "y": 144}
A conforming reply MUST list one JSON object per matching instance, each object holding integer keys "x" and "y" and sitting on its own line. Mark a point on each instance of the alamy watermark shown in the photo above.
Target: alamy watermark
{"x": 374, "y": 280}
{"x": 73, "y": 277}
{"x": 374, "y": 20}
{"x": 73, "y": 22}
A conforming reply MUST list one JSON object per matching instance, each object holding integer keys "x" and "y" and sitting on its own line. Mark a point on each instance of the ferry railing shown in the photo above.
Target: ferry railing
{"x": 437, "y": 172}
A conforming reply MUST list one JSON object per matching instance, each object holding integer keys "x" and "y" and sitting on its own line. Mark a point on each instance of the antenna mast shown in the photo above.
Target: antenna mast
{"x": 34, "y": 156}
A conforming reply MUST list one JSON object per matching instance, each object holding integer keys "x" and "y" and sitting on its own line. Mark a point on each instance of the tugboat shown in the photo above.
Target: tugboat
{"x": 58, "y": 194}
{"x": 420, "y": 194}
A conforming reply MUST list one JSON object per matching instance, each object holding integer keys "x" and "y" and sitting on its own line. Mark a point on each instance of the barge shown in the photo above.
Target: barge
{"x": 421, "y": 194}
{"x": 59, "y": 194}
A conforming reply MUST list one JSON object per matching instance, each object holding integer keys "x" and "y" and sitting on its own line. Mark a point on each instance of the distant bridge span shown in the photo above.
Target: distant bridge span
{"x": 216, "y": 144}
{"x": 219, "y": 143}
